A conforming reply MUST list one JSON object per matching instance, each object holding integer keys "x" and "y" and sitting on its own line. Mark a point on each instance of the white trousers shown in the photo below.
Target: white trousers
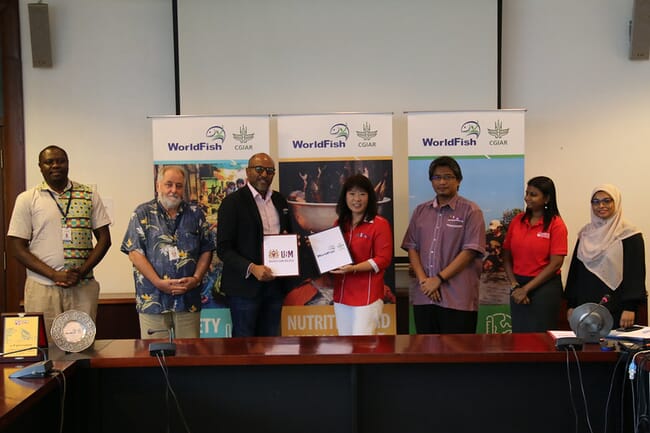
{"x": 362, "y": 320}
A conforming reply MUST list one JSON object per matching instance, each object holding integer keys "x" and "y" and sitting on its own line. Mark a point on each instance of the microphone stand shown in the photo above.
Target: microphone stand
{"x": 164, "y": 348}
{"x": 35, "y": 370}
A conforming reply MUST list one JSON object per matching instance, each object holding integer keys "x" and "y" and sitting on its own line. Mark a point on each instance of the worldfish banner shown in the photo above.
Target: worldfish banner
{"x": 317, "y": 153}
{"x": 214, "y": 152}
{"x": 185, "y": 139}
{"x": 489, "y": 147}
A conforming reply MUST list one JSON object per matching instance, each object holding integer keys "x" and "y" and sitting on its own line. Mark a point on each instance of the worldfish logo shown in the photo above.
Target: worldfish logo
{"x": 340, "y": 130}
{"x": 471, "y": 128}
{"x": 216, "y": 133}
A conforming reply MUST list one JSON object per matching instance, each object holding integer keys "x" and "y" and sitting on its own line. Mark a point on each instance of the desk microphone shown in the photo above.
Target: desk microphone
{"x": 165, "y": 349}
{"x": 35, "y": 370}
{"x": 592, "y": 321}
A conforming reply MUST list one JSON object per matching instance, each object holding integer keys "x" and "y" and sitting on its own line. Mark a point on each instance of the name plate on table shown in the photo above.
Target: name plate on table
{"x": 281, "y": 255}
{"x": 330, "y": 249}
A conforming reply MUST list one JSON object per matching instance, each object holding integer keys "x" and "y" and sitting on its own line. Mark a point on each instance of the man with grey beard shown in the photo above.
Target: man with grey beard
{"x": 170, "y": 245}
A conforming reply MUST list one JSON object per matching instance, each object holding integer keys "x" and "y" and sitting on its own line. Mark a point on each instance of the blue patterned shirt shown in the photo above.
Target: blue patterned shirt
{"x": 154, "y": 234}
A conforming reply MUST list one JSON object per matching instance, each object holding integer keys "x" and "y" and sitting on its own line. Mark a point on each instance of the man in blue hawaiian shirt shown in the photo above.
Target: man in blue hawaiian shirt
{"x": 170, "y": 246}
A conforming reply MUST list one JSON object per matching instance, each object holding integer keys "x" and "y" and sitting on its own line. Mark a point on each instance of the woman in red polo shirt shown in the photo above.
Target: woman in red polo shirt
{"x": 359, "y": 288}
{"x": 533, "y": 253}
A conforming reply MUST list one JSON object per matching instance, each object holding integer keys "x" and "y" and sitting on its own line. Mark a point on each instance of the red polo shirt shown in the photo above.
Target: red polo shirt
{"x": 531, "y": 247}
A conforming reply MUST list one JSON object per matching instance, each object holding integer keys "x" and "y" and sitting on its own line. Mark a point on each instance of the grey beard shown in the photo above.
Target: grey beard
{"x": 169, "y": 203}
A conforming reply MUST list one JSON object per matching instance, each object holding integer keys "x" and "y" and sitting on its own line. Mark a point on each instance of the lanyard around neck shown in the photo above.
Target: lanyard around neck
{"x": 67, "y": 209}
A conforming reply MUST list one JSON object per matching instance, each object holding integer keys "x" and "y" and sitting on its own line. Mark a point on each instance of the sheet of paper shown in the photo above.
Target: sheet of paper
{"x": 330, "y": 249}
{"x": 281, "y": 254}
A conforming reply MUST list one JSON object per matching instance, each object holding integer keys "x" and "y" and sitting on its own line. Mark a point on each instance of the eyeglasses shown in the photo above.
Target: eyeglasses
{"x": 606, "y": 201}
{"x": 444, "y": 177}
{"x": 259, "y": 170}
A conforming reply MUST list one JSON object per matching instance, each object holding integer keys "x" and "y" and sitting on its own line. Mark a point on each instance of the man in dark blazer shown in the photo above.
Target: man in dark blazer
{"x": 254, "y": 295}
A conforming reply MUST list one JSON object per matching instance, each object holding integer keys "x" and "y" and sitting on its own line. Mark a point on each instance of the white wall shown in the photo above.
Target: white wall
{"x": 588, "y": 119}
{"x": 113, "y": 66}
{"x": 302, "y": 56}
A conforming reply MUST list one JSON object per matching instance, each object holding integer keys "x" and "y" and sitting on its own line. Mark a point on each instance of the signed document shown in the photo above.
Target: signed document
{"x": 330, "y": 249}
{"x": 281, "y": 254}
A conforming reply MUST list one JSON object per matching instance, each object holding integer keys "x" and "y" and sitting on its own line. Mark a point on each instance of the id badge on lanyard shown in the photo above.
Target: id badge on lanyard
{"x": 66, "y": 234}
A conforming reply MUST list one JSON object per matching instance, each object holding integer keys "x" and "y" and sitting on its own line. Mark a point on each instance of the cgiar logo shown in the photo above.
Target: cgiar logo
{"x": 340, "y": 130}
{"x": 471, "y": 128}
{"x": 216, "y": 133}
{"x": 499, "y": 131}
{"x": 367, "y": 133}
{"x": 243, "y": 136}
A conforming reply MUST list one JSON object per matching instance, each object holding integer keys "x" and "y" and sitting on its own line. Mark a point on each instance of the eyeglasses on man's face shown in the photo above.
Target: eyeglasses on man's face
{"x": 445, "y": 177}
{"x": 604, "y": 201}
{"x": 259, "y": 170}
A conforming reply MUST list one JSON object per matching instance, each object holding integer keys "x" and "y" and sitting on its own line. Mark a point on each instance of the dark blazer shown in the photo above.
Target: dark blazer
{"x": 239, "y": 240}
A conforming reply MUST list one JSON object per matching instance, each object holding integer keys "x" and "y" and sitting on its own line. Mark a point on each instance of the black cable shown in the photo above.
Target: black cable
{"x": 568, "y": 375}
{"x": 60, "y": 377}
{"x": 609, "y": 392}
{"x": 170, "y": 390}
{"x": 582, "y": 388}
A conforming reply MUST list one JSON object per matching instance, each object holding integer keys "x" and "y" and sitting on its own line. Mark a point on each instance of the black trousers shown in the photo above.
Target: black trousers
{"x": 434, "y": 319}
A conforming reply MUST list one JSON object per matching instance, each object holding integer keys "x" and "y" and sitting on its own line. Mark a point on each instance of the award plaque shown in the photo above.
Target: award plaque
{"x": 23, "y": 334}
{"x": 280, "y": 253}
{"x": 330, "y": 249}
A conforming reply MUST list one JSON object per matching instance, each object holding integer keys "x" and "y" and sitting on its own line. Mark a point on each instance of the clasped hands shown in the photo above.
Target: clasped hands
{"x": 178, "y": 286}
{"x": 520, "y": 296}
{"x": 67, "y": 277}
{"x": 430, "y": 286}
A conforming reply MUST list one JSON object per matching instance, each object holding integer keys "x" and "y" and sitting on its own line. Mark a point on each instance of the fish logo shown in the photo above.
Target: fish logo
{"x": 216, "y": 133}
{"x": 471, "y": 128}
{"x": 340, "y": 130}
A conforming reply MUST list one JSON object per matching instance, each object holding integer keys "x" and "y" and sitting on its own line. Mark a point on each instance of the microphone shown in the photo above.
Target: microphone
{"x": 592, "y": 321}
{"x": 35, "y": 370}
{"x": 164, "y": 349}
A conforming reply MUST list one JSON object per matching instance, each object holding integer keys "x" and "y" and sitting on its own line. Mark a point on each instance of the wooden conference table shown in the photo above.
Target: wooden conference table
{"x": 403, "y": 383}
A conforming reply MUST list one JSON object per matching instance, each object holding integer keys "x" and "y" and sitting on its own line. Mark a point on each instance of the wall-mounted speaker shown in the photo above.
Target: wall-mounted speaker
{"x": 640, "y": 31}
{"x": 39, "y": 30}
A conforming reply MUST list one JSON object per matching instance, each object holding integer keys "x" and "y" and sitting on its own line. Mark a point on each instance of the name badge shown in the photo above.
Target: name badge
{"x": 173, "y": 253}
{"x": 544, "y": 235}
{"x": 66, "y": 234}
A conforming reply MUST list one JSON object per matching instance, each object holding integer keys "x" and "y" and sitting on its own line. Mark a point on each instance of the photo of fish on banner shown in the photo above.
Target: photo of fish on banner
{"x": 312, "y": 189}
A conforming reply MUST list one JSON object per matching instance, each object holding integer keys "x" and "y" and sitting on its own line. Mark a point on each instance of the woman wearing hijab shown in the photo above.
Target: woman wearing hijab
{"x": 609, "y": 259}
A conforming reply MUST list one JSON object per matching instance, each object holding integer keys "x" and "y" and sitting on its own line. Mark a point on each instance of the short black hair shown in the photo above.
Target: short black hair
{"x": 446, "y": 161}
{"x": 51, "y": 147}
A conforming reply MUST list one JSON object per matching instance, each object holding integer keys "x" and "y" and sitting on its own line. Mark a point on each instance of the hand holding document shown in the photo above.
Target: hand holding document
{"x": 330, "y": 249}
{"x": 281, "y": 255}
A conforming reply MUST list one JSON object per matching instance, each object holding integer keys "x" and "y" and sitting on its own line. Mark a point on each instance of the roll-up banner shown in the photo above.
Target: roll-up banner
{"x": 489, "y": 147}
{"x": 316, "y": 155}
{"x": 214, "y": 150}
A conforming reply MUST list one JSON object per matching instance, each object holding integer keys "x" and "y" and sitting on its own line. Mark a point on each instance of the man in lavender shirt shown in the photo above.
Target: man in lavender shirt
{"x": 445, "y": 242}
